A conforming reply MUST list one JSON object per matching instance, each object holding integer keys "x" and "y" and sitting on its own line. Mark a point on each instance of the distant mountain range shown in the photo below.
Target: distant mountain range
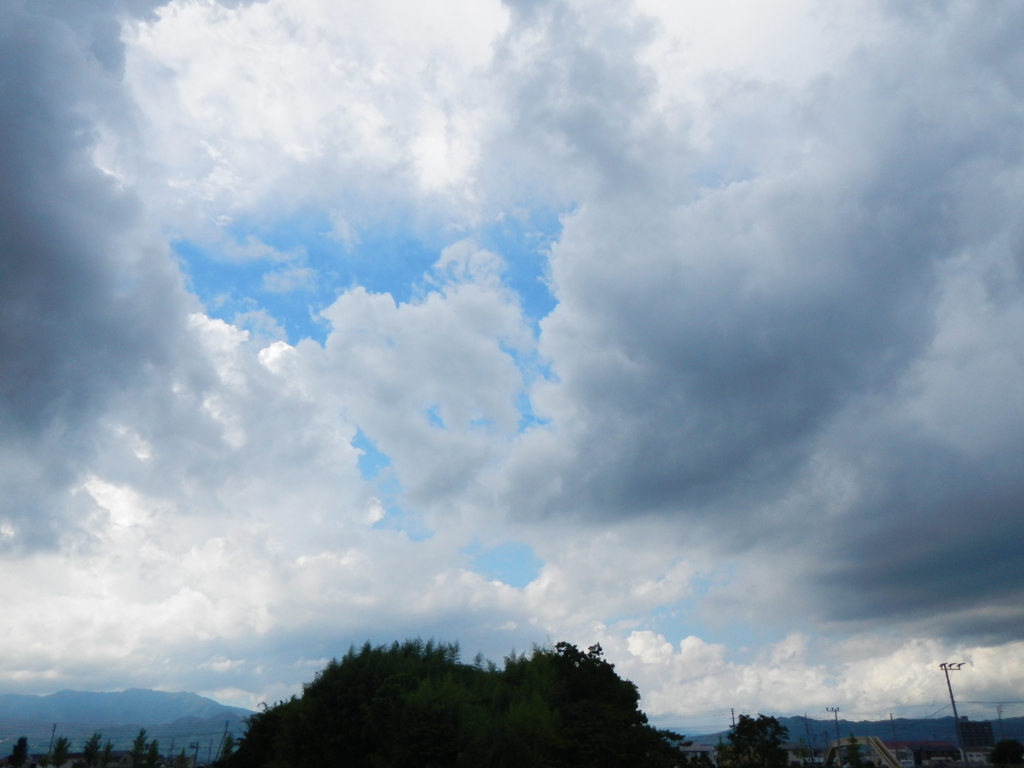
{"x": 175, "y": 719}
{"x": 929, "y": 729}
{"x": 134, "y": 706}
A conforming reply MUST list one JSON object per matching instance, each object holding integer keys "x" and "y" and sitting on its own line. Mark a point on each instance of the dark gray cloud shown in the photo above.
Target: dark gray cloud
{"x": 709, "y": 343}
{"x": 87, "y": 302}
{"x": 576, "y": 103}
{"x": 932, "y": 541}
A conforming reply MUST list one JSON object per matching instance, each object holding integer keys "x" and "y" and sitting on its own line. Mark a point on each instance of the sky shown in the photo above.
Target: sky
{"x": 691, "y": 329}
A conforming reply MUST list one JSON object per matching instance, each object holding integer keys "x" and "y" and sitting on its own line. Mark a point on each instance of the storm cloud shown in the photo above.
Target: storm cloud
{"x": 716, "y": 347}
{"x": 88, "y": 303}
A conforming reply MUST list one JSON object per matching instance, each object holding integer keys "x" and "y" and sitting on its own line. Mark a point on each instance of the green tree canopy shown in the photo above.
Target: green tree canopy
{"x": 91, "y": 750}
{"x": 61, "y": 748}
{"x": 139, "y": 748}
{"x": 756, "y": 743}
{"x": 413, "y": 705}
{"x": 853, "y": 756}
{"x": 1008, "y": 752}
{"x": 20, "y": 752}
{"x": 228, "y": 748}
{"x": 153, "y": 754}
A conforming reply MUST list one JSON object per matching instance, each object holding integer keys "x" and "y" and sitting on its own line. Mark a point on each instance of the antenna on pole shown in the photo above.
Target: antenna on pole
{"x": 947, "y": 668}
{"x": 810, "y": 742}
{"x": 895, "y": 742}
{"x": 839, "y": 743}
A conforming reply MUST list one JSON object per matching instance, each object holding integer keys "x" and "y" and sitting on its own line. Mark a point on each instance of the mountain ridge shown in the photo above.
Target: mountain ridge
{"x": 906, "y": 729}
{"x": 139, "y": 706}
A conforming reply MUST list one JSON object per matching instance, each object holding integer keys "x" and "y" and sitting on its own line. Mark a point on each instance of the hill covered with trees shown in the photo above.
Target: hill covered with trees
{"x": 415, "y": 704}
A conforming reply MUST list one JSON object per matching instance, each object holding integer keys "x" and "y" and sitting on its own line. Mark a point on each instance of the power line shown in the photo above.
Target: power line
{"x": 989, "y": 652}
{"x": 1016, "y": 701}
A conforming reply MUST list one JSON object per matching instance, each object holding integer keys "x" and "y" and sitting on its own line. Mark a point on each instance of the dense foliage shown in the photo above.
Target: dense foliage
{"x": 1008, "y": 752}
{"x": 91, "y": 750}
{"x": 755, "y": 743}
{"x": 20, "y": 752}
{"x": 413, "y": 705}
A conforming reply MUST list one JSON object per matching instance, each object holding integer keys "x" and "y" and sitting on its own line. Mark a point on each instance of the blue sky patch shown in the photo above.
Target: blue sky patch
{"x": 527, "y": 418}
{"x": 678, "y": 621}
{"x": 371, "y": 460}
{"x": 294, "y": 268}
{"x": 512, "y": 563}
{"x": 410, "y": 523}
{"x": 524, "y": 242}
{"x": 375, "y": 467}
{"x": 433, "y": 414}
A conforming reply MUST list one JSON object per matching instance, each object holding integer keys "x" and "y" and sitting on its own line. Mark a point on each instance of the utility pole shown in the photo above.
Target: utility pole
{"x": 999, "y": 714}
{"x": 955, "y": 667}
{"x": 895, "y": 743}
{"x": 839, "y": 748}
{"x": 810, "y": 744}
{"x": 52, "y": 734}
{"x": 222, "y": 738}
{"x": 209, "y": 753}
{"x": 195, "y": 760}
{"x": 732, "y": 711}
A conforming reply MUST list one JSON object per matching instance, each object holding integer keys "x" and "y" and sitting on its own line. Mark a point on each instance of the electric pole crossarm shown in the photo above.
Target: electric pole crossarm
{"x": 839, "y": 753}
{"x": 947, "y": 668}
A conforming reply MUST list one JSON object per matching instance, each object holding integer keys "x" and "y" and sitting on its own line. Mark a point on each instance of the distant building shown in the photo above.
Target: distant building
{"x": 798, "y": 753}
{"x": 976, "y": 734}
{"x": 928, "y": 752}
{"x": 979, "y": 755}
{"x": 902, "y": 753}
{"x": 693, "y": 751}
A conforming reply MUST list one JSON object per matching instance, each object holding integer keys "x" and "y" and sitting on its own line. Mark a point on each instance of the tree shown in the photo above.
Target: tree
{"x": 153, "y": 754}
{"x": 91, "y": 750}
{"x": 414, "y": 705}
{"x": 108, "y": 749}
{"x": 229, "y": 746}
{"x": 138, "y": 750}
{"x": 757, "y": 743}
{"x": 20, "y": 752}
{"x": 61, "y": 748}
{"x": 1008, "y": 752}
{"x": 853, "y": 756}
{"x": 181, "y": 761}
{"x": 802, "y": 751}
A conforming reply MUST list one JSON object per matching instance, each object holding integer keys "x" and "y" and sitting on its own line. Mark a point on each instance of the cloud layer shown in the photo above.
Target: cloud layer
{"x": 767, "y": 442}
